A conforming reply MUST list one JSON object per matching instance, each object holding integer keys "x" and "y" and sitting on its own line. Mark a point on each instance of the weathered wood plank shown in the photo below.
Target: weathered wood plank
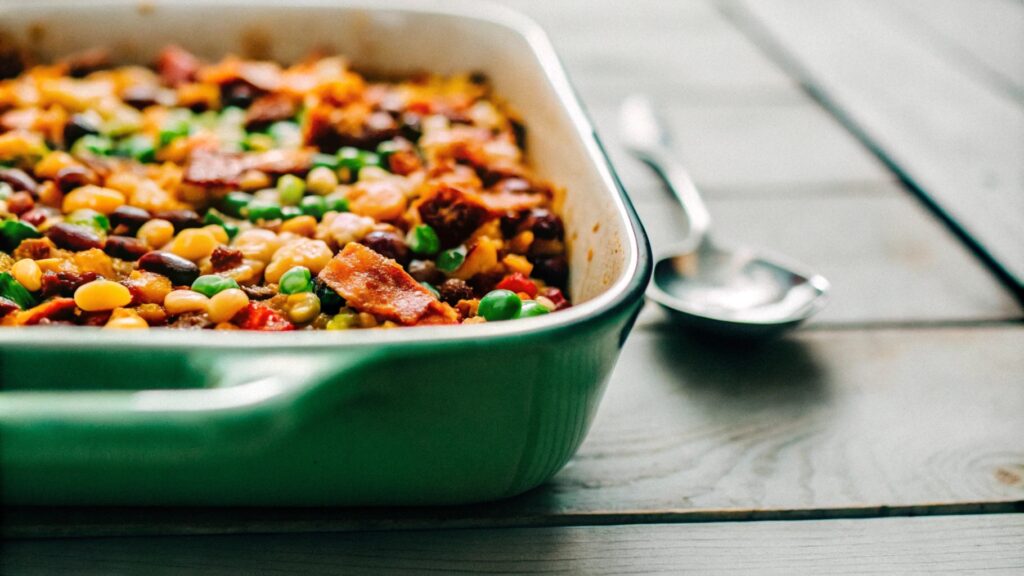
{"x": 957, "y": 544}
{"x": 985, "y": 37}
{"x": 958, "y": 139}
{"x": 888, "y": 259}
{"x": 769, "y": 149}
{"x": 801, "y": 427}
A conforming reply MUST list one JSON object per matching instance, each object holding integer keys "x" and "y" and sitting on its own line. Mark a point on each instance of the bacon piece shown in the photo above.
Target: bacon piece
{"x": 452, "y": 213}
{"x": 269, "y": 109}
{"x": 213, "y": 168}
{"x": 501, "y": 202}
{"x": 177, "y": 65}
{"x": 372, "y": 283}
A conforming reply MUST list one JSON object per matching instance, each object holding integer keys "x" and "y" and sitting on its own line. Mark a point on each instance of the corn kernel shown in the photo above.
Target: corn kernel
{"x": 101, "y": 295}
{"x": 218, "y": 232}
{"x": 102, "y": 200}
{"x": 28, "y": 274}
{"x": 313, "y": 254}
{"x": 301, "y": 225}
{"x": 254, "y": 180}
{"x": 194, "y": 244}
{"x": 521, "y": 242}
{"x": 226, "y": 303}
{"x": 518, "y": 263}
{"x": 53, "y": 163}
{"x": 123, "y": 318}
{"x": 181, "y": 301}
{"x": 257, "y": 244}
{"x": 321, "y": 180}
{"x": 302, "y": 307}
{"x": 156, "y": 233}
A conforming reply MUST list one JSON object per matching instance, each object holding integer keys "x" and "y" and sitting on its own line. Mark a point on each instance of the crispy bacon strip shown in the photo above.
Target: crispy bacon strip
{"x": 213, "y": 168}
{"x": 372, "y": 283}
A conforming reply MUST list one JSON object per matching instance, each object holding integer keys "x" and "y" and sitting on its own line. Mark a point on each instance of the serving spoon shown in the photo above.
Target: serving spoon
{"x": 713, "y": 287}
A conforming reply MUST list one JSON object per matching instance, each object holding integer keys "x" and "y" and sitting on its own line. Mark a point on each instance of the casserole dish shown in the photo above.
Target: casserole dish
{"x": 423, "y": 415}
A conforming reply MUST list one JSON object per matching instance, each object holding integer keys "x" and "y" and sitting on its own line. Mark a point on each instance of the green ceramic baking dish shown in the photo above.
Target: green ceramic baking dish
{"x": 417, "y": 416}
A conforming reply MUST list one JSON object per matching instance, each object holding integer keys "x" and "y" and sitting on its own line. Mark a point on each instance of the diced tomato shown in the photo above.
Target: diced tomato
{"x": 257, "y": 317}
{"x": 518, "y": 282}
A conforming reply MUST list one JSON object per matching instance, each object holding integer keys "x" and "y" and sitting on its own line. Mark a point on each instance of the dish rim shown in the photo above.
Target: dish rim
{"x": 627, "y": 289}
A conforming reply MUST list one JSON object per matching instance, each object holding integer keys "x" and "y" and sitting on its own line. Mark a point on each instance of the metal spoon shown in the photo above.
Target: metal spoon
{"x": 735, "y": 291}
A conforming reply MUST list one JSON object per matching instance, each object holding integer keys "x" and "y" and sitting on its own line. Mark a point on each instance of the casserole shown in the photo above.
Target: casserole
{"x": 423, "y": 415}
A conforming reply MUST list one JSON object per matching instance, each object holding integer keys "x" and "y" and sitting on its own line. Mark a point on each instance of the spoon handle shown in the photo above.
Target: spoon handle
{"x": 678, "y": 180}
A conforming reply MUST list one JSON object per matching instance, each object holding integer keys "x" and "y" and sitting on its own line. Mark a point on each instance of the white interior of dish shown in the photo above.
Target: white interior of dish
{"x": 394, "y": 37}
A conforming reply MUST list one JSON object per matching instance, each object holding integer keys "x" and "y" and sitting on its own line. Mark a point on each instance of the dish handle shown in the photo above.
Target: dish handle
{"x": 245, "y": 400}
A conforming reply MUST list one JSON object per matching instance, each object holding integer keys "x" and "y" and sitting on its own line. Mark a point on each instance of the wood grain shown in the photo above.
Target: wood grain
{"x": 962, "y": 545}
{"x": 959, "y": 140}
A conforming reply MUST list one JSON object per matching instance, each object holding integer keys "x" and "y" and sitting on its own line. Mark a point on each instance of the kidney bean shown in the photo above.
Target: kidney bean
{"x": 64, "y": 283}
{"x": 36, "y": 216}
{"x": 77, "y": 126}
{"x": 238, "y": 93}
{"x": 387, "y": 244}
{"x": 545, "y": 224}
{"x": 125, "y": 247}
{"x": 181, "y": 219}
{"x": 452, "y": 290}
{"x": 71, "y": 177}
{"x": 7, "y": 306}
{"x": 425, "y": 271}
{"x": 140, "y": 96}
{"x": 20, "y": 202}
{"x": 553, "y": 270}
{"x": 19, "y": 180}
{"x": 180, "y": 271}
{"x": 129, "y": 218}
{"x": 73, "y": 237}
{"x": 556, "y": 297}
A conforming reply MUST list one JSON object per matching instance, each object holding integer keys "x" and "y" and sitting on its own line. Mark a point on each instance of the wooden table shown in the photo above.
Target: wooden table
{"x": 880, "y": 141}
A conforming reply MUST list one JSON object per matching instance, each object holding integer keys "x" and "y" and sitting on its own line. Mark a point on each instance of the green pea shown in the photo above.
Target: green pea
{"x": 289, "y": 212}
{"x": 351, "y": 158}
{"x": 450, "y": 260}
{"x": 286, "y": 134}
{"x": 215, "y": 217}
{"x": 290, "y": 189}
{"x": 258, "y": 142}
{"x": 234, "y": 203}
{"x": 532, "y": 308}
{"x": 90, "y": 218}
{"x": 337, "y": 204}
{"x": 295, "y": 280}
{"x": 12, "y": 290}
{"x": 211, "y": 284}
{"x": 138, "y": 147}
{"x": 343, "y": 320}
{"x": 12, "y": 232}
{"x": 386, "y": 148}
{"x": 328, "y": 160}
{"x": 432, "y": 290}
{"x": 314, "y": 206}
{"x": 263, "y": 210}
{"x": 177, "y": 124}
{"x": 423, "y": 240}
{"x": 499, "y": 305}
{"x": 93, "y": 144}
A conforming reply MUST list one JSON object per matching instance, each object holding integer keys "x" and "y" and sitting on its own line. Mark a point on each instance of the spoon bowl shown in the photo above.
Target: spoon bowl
{"x": 736, "y": 291}
{"x": 726, "y": 290}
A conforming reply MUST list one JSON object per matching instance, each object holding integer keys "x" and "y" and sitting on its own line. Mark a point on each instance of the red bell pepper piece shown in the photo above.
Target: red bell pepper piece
{"x": 518, "y": 282}
{"x": 257, "y": 317}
